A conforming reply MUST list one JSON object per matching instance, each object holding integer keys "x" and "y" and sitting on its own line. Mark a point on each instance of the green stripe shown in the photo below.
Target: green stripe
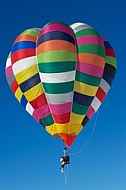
{"x": 55, "y": 56}
{"x": 9, "y": 55}
{"x": 111, "y": 60}
{"x": 91, "y": 48}
{"x": 30, "y": 32}
{"x": 48, "y": 120}
{"x": 88, "y": 31}
{"x": 58, "y": 88}
{"x": 79, "y": 109}
{"x": 56, "y": 67}
{"x": 87, "y": 79}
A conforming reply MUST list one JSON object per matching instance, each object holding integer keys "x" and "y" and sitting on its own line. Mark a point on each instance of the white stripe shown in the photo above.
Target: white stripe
{"x": 59, "y": 98}
{"x": 57, "y": 77}
{"x": 23, "y": 64}
{"x": 96, "y": 103}
{"x": 79, "y": 26}
{"x": 8, "y": 62}
{"x": 105, "y": 86}
{"x": 36, "y": 29}
{"x": 29, "y": 109}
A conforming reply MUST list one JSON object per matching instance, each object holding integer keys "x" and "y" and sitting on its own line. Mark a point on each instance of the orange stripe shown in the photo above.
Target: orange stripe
{"x": 55, "y": 45}
{"x": 91, "y": 59}
{"x": 25, "y": 37}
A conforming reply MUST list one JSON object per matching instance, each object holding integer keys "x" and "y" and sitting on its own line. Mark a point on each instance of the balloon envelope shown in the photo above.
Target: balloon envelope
{"x": 61, "y": 75}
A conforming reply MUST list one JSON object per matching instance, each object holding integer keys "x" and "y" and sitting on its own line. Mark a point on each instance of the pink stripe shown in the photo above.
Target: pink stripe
{"x": 56, "y": 27}
{"x": 90, "y": 112}
{"x": 60, "y": 109}
{"x": 41, "y": 112}
{"x": 90, "y": 40}
{"x": 8, "y": 71}
{"x": 90, "y": 69}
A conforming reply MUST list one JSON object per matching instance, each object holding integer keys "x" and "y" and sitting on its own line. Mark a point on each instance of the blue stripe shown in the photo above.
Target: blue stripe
{"x": 24, "y": 101}
{"x": 107, "y": 44}
{"x": 110, "y": 69}
{"x": 82, "y": 99}
{"x": 85, "y": 120}
{"x": 56, "y": 35}
{"x": 41, "y": 122}
{"x": 30, "y": 83}
{"x": 108, "y": 78}
{"x": 23, "y": 45}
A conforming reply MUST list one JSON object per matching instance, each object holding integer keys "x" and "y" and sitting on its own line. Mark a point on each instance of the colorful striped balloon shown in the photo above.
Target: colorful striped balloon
{"x": 61, "y": 75}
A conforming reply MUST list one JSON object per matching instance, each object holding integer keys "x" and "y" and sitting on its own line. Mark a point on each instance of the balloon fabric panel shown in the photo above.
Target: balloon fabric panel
{"x": 90, "y": 65}
{"x": 109, "y": 73}
{"x": 28, "y": 88}
{"x": 56, "y": 55}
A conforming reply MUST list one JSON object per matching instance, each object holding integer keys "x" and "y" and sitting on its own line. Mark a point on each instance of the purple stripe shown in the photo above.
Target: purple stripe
{"x": 90, "y": 40}
{"x": 41, "y": 112}
{"x": 56, "y": 27}
{"x": 90, "y": 69}
{"x": 60, "y": 109}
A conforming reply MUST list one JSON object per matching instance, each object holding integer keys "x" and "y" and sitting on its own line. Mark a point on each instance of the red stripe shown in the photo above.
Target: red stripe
{"x": 101, "y": 94}
{"x": 14, "y": 86}
{"x": 39, "y": 101}
{"x": 21, "y": 54}
{"x": 110, "y": 52}
{"x": 65, "y": 118}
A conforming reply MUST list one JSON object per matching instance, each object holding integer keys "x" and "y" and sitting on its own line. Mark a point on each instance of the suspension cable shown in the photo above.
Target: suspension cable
{"x": 92, "y": 132}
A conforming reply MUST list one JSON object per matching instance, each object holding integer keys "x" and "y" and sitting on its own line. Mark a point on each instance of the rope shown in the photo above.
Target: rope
{"x": 66, "y": 174}
{"x": 88, "y": 138}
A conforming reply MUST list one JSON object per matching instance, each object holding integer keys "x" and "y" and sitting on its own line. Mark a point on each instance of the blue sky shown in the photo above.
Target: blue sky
{"x": 29, "y": 157}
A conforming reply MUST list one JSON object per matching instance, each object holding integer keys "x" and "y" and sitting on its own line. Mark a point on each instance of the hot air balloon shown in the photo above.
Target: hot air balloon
{"x": 61, "y": 75}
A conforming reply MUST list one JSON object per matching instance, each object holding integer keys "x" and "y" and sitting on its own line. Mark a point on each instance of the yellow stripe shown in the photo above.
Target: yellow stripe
{"x": 75, "y": 118}
{"x": 18, "y": 94}
{"x": 26, "y": 74}
{"x": 52, "y": 129}
{"x": 75, "y": 127}
{"x": 85, "y": 88}
{"x": 68, "y": 128}
{"x": 34, "y": 92}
